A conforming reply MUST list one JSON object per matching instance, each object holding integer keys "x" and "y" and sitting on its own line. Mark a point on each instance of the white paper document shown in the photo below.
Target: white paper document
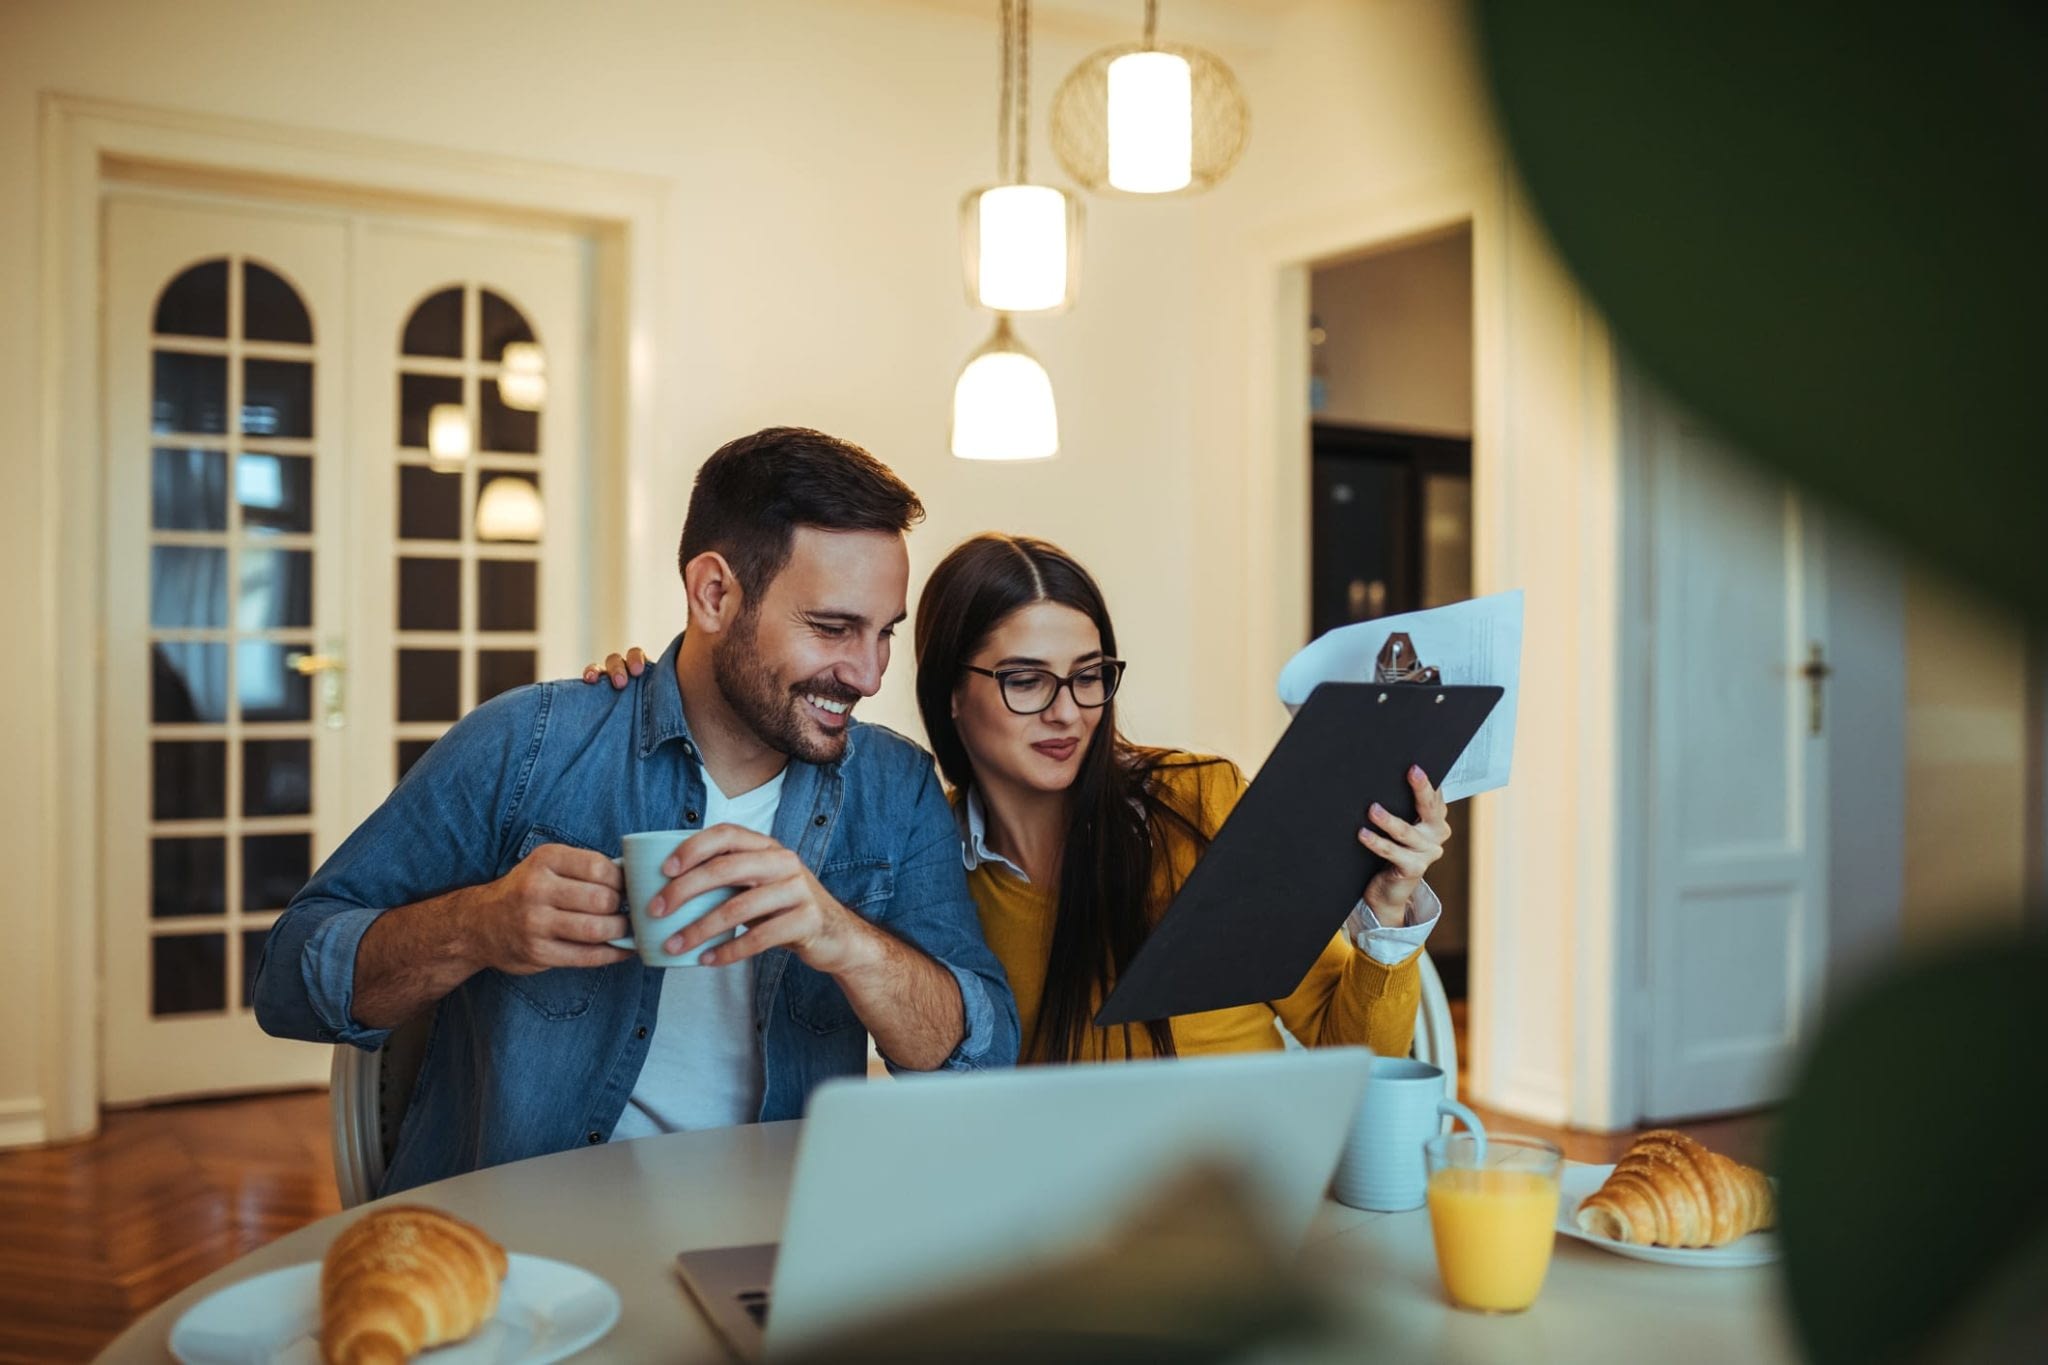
{"x": 1469, "y": 643}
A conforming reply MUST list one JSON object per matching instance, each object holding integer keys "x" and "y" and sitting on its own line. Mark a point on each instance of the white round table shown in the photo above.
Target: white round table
{"x": 625, "y": 1209}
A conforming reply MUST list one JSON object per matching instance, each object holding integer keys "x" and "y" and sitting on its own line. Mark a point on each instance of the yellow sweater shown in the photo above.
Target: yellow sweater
{"x": 1345, "y": 998}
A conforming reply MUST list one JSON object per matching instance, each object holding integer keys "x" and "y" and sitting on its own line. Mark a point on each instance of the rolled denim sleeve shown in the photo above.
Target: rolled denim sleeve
{"x": 442, "y": 828}
{"x": 932, "y": 911}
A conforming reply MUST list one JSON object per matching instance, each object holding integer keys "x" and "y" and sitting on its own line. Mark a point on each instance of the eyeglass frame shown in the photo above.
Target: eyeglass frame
{"x": 1116, "y": 680}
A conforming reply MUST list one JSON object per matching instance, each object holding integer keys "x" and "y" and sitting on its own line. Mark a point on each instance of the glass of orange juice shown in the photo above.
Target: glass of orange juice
{"x": 1493, "y": 1210}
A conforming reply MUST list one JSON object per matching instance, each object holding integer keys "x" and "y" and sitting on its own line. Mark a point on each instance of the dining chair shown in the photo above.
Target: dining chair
{"x": 1435, "y": 1040}
{"x": 367, "y": 1095}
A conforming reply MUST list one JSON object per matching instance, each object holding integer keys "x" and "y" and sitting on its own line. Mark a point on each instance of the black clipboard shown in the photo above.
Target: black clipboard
{"x": 1281, "y": 875}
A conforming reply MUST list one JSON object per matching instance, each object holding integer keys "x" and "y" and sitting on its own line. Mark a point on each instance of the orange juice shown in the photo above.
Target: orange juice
{"x": 1493, "y": 1230}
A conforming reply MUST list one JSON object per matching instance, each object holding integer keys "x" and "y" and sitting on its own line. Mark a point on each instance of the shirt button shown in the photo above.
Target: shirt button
{"x": 819, "y": 822}
{"x": 640, "y": 1032}
{"x": 594, "y": 1137}
{"x": 689, "y": 817}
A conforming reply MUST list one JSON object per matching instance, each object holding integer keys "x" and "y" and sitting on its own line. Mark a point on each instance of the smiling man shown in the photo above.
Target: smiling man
{"x": 484, "y": 884}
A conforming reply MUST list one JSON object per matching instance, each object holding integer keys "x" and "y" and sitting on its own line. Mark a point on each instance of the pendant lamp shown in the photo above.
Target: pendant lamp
{"x": 1150, "y": 117}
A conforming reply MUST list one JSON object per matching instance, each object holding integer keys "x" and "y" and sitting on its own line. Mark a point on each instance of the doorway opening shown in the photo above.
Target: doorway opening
{"x": 1390, "y": 451}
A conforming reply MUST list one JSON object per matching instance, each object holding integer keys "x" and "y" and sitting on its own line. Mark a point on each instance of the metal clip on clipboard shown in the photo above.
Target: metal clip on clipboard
{"x": 1397, "y": 663}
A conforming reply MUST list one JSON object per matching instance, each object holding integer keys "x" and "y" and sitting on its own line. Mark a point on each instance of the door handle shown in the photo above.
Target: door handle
{"x": 328, "y": 668}
{"x": 1816, "y": 672}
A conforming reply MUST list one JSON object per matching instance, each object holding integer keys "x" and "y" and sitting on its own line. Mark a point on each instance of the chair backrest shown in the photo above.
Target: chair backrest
{"x": 367, "y": 1095}
{"x": 1435, "y": 1040}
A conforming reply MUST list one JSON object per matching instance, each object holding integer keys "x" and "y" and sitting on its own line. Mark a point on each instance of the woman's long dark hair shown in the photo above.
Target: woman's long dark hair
{"x": 1115, "y": 814}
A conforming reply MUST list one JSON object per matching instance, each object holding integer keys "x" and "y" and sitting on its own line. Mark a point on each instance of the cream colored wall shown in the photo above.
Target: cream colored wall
{"x": 1398, "y": 351}
{"x": 1967, "y": 706}
{"x": 808, "y": 272}
{"x": 1367, "y": 115}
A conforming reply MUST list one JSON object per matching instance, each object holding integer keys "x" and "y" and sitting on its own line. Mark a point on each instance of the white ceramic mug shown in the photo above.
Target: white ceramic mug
{"x": 1404, "y": 1107}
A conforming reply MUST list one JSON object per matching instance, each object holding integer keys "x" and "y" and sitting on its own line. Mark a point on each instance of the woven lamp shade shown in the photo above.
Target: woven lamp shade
{"x": 1080, "y": 117}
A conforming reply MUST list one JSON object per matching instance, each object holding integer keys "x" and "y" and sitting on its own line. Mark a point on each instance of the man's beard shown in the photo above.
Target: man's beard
{"x": 776, "y": 714}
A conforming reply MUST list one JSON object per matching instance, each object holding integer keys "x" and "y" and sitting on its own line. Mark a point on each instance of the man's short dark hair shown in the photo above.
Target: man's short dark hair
{"x": 753, "y": 493}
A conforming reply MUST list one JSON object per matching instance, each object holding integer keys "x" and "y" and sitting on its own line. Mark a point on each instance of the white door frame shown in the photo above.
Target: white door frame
{"x": 81, "y": 140}
{"x": 1554, "y": 1020}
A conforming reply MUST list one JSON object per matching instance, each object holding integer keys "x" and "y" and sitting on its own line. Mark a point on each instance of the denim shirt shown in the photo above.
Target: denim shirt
{"x": 518, "y": 1066}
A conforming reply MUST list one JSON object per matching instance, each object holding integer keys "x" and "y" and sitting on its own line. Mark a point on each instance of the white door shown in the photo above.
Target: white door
{"x": 272, "y": 552}
{"x": 1737, "y": 870}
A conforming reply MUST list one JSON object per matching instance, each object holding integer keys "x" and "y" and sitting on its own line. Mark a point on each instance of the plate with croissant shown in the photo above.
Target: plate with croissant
{"x": 399, "y": 1283}
{"x": 1671, "y": 1200}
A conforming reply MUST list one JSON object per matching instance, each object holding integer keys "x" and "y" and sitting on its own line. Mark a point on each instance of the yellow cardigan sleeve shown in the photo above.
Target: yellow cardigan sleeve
{"x": 1349, "y": 998}
{"x": 1346, "y": 997}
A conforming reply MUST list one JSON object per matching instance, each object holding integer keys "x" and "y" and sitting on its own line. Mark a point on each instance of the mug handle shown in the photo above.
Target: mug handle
{"x": 1449, "y": 1108}
{"x": 627, "y": 942}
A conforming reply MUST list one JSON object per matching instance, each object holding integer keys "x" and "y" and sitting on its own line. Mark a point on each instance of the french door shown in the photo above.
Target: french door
{"x": 345, "y": 462}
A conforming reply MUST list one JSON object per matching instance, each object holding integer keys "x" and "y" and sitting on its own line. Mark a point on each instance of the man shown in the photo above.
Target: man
{"x": 483, "y": 885}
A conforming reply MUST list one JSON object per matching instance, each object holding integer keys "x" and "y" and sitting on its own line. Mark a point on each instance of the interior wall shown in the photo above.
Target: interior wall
{"x": 1398, "y": 346}
{"x": 808, "y": 272}
{"x": 1968, "y": 711}
{"x": 1397, "y": 353}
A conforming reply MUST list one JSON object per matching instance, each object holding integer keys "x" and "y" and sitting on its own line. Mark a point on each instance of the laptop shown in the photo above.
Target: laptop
{"x": 916, "y": 1189}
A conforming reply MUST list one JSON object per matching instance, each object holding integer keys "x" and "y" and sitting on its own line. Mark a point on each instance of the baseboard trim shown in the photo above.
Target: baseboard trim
{"x": 21, "y": 1123}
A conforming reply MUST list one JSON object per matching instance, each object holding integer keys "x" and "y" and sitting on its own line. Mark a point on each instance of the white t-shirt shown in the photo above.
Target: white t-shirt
{"x": 703, "y": 1067}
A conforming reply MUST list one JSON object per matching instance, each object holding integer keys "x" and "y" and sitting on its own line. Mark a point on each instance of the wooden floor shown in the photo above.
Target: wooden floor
{"x": 95, "y": 1234}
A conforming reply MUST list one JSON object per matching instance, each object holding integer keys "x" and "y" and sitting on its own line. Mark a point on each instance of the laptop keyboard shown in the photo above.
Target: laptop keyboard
{"x": 755, "y": 1301}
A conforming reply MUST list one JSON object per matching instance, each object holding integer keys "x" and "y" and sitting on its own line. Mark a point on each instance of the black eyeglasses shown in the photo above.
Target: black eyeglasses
{"x": 1027, "y": 691}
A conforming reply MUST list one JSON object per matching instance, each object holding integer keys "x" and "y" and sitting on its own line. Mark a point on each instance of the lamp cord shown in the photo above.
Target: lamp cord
{"x": 1151, "y": 24}
{"x": 1023, "y": 91}
{"x": 1003, "y": 99}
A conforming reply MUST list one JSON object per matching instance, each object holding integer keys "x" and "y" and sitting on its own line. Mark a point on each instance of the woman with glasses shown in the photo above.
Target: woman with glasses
{"x": 1076, "y": 839}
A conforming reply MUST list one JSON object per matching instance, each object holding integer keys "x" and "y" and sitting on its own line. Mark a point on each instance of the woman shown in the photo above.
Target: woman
{"x": 1076, "y": 839}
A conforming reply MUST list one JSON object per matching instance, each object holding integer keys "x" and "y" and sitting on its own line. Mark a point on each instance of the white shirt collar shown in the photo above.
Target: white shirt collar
{"x": 974, "y": 849}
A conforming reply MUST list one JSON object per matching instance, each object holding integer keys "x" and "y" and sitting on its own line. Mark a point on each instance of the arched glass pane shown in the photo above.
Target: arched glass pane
{"x": 272, "y": 309}
{"x": 502, "y": 324}
{"x": 196, "y": 303}
{"x": 435, "y": 327}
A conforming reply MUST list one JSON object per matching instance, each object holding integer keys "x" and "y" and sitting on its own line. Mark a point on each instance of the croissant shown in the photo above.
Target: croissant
{"x": 1670, "y": 1191}
{"x": 403, "y": 1279}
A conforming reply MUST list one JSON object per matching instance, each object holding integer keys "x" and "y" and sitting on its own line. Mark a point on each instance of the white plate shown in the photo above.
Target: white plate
{"x": 1580, "y": 1180}
{"x": 546, "y": 1310}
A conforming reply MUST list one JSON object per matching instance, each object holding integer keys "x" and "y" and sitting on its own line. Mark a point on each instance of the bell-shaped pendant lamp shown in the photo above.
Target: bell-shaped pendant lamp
{"x": 509, "y": 509}
{"x": 1149, "y": 117}
{"x": 1003, "y": 407}
{"x": 1020, "y": 243}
